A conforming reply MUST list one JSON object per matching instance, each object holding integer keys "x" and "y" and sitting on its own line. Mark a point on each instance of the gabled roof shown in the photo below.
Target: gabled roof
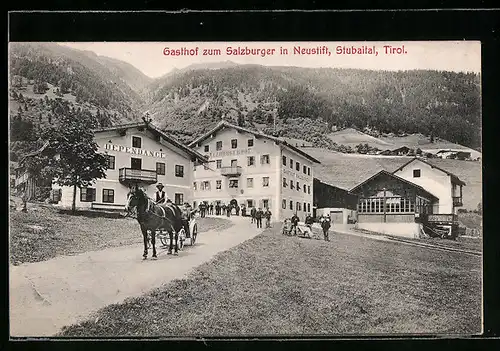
{"x": 155, "y": 130}
{"x": 454, "y": 178}
{"x": 392, "y": 175}
{"x": 224, "y": 124}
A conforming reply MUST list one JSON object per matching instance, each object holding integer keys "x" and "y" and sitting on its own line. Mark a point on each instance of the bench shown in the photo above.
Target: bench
{"x": 104, "y": 206}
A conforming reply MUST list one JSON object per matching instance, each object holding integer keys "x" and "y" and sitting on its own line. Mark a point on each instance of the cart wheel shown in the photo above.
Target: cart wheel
{"x": 194, "y": 234}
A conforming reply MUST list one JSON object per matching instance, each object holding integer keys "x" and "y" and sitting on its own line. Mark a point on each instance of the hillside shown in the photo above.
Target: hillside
{"x": 348, "y": 170}
{"x": 48, "y": 80}
{"x": 442, "y": 104}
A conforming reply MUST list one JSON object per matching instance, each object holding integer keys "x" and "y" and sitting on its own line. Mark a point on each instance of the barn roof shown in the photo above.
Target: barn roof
{"x": 155, "y": 130}
{"x": 224, "y": 124}
{"x": 392, "y": 175}
{"x": 454, "y": 178}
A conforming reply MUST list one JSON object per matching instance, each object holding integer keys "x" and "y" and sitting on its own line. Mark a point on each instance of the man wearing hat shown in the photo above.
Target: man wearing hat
{"x": 160, "y": 194}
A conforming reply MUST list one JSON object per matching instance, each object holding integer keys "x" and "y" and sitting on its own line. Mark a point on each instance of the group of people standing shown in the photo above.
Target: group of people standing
{"x": 221, "y": 209}
{"x": 257, "y": 214}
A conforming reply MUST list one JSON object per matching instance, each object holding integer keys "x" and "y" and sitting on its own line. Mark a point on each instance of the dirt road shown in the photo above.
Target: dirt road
{"x": 46, "y": 296}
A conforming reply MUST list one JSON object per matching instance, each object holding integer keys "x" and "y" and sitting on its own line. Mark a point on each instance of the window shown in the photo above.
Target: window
{"x": 234, "y": 143}
{"x": 284, "y": 160}
{"x": 298, "y": 186}
{"x": 265, "y": 181}
{"x": 304, "y": 169}
{"x": 108, "y": 196}
{"x": 308, "y": 189}
{"x": 160, "y": 168}
{"x": 87, "y": 194}
{"x": 110, "y": 162}
{"x": 297, "y": 166}
{"x": 308, "y": 170}
{"x": 392, "y": 205}
{"x": 265, "y": 203}
{"x": 136, "y": 142}
{"x": 305, "y": 188}
{"x": 249, "y": 182}
{"x": 207, "y": 148}
{"x": 205, "y": 185}
{"x": 291, "y": 163}
{"x": 250, "y": 142}
{"x": 234, "y": 163}
{"x": 305, "y": 207}
{"x": 218, "y": 184}
{"x": 179, "y": 198}
{"x": 291, "y": 204}
{"x": 233, "y": 183}
{"x": 250, "y": 161}
{"x": 283, "y": 205}
{"x": 179, "y": 171}
{"x": 284, "y": 182}
{"x": 298, "y": 207}
{"x": 291, "y": 185}
{"x": 194, "y": 186}
{"x": 309, "y": 208}
{"x": 218, "y": 145}
{"x": 218, "y": 164}
{"x": 249, "y": 203}
{"x": 416, "y": 173}
{"x": 264, "y": 160}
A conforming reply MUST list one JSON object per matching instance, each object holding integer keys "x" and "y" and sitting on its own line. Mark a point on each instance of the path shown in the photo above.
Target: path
{"x": 45, "y": 296}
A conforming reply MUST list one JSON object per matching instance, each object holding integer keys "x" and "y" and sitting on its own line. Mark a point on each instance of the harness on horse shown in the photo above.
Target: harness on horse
{"x": 150, "y": 211}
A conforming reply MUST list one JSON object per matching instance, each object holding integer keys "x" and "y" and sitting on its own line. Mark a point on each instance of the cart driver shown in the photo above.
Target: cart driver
{"x": 161, "y": 196}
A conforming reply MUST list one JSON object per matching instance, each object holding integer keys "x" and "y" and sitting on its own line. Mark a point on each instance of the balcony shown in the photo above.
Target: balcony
{"x": 457, "y": 201}
{"x": 137, "y": 175}
{"x": 231, "y": 171}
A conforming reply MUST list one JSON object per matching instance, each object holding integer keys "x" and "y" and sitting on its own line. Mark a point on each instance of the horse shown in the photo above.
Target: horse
{"x": 325, "y": 225}
{"x": 152, "y": 216}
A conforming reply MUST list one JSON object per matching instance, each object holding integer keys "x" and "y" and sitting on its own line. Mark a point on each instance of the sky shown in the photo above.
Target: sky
{"x": 151, "y": 58}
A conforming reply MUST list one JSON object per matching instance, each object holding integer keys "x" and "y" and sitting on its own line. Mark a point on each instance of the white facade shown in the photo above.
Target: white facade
{"x": 249, "y": 168}
{"x": 436, "y": 181}
{"x": 137, "y": 155}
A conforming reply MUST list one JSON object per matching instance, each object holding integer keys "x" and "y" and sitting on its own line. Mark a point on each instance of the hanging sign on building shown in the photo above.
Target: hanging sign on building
{"x": 229, "y": 153}
{"x": 134, "y": 150}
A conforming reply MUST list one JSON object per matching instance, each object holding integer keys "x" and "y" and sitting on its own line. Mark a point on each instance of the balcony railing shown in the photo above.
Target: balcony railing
{"x": 457, "y": 201}
{"x": 137, "y": 175}
{"x": 230, "y": 171}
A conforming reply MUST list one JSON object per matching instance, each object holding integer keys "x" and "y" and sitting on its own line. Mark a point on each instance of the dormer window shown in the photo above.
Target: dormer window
{"x": 416, "y": 173}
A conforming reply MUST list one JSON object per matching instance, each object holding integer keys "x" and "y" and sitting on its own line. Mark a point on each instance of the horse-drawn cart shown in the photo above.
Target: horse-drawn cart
{"x": 302, "y": 230}
{"x": 183, "y": 236}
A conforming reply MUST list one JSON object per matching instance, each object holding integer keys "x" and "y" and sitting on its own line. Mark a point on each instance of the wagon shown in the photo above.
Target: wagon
{"x": 304, "y": 231}
{"x": 193, "y": 229}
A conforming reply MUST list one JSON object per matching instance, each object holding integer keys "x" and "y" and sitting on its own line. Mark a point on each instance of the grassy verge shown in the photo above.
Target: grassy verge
{"x": 470, "y": 244}
{"x": 274, "y": 284}
{"x": 43, "y": 233}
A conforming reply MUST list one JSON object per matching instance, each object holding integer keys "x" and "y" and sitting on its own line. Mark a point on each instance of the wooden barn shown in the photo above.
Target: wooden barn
{"x": 389, "y": 204}
{"x": 335, "y": 201}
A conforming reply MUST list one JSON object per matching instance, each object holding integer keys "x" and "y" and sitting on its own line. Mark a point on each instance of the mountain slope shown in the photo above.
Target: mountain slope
{"x": 301, "y": 101}
{"x": 132, "y": 76}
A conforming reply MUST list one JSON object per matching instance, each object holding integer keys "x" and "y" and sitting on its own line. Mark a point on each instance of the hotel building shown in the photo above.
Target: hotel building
{"x": 137, "y": 153}
{"x": 253, "y": 169}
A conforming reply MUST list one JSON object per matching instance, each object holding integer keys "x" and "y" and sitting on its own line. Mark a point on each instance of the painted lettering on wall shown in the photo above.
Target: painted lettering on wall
{"x": 295, "y": 174}
{"x": 229, "y": 153}
{"x": 134, "y": 150}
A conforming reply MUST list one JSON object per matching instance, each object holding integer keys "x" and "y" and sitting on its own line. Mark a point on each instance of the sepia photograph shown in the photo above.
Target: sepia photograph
{"x": 221, "y": 189}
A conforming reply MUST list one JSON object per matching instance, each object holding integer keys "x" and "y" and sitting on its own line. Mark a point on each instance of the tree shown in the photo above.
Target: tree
{"x": 78, "y": 164}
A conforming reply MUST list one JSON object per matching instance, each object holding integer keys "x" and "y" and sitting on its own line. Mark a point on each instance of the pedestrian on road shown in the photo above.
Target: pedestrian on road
{"x": 267, "y": 214}
{"x": 237, "y": 210}
{"x": 295, "y": 221}
{"x": 258, "y": 217}
{"x": 325, "y": 225}
{"x": 228, "y": 210}
{"x": 211, "y": 209}
{"x": 253, "y": 211}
